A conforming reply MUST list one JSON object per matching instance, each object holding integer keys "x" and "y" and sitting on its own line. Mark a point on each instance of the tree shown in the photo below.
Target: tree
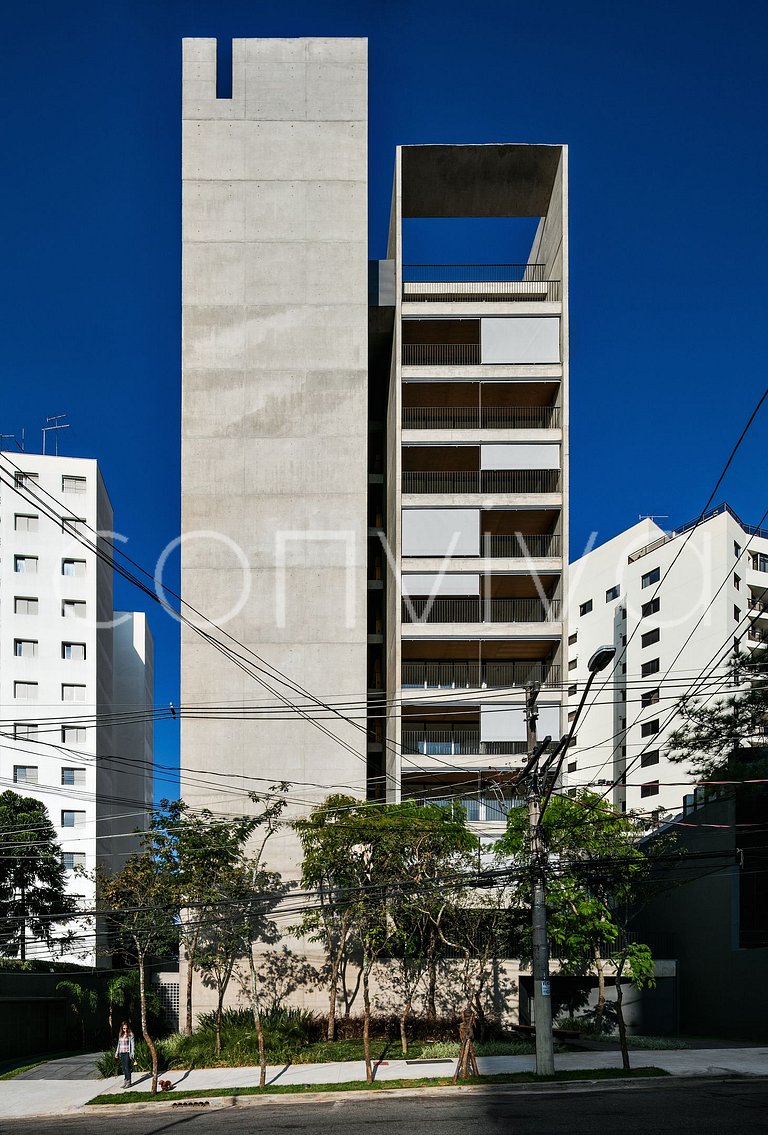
{"x": 33, "y": 894}
{"x": 200, "y": 850}
{"x": 140, "y": 906}
{"x": 637, "y": 960}
{"x": 82, "y": 1001}
{"x": 596, "y": 874}
{"x": 714, "y": 734}
{"x": 237, "y": 914}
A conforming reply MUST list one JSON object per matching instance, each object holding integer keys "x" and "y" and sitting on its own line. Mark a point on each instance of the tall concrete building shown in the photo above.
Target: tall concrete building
{"x": 69, "y": 663}
{"x": 676, "y": 605}
{"x": 374, "y": 458}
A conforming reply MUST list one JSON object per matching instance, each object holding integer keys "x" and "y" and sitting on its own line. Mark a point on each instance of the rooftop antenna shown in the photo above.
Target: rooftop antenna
{"x": 19, "y": 444}
{"x": 57, "y": 425}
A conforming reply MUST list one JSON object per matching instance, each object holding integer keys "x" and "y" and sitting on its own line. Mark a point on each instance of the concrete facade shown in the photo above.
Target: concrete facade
{"x": 274, "y": 413}
{"x": 675, "y": 605}
{"x": 67, "y": 664}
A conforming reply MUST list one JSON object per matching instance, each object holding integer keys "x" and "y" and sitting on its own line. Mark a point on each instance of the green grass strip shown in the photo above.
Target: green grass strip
{"x": 381, "y": 1085}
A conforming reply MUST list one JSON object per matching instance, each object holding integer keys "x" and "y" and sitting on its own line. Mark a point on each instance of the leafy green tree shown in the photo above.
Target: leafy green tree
{"x": 82, "y": 1001}
{"x": 140, "y": 907}
{"x": 597, "y": 873}
{"x": 238, "y": 905}
{"x": 200, "y": 850}
{"x": 33, "y": 896}
{"x": 635, "y": 958}
{"x": 714, "y": 733}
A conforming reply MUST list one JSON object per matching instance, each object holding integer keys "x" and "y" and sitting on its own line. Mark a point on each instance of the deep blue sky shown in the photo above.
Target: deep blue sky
{"x": 661, "y": 103}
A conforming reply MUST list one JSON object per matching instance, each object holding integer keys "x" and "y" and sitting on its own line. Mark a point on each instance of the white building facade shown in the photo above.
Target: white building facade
{"x": 676, "y": 606}
{"x": 68, "y": 663}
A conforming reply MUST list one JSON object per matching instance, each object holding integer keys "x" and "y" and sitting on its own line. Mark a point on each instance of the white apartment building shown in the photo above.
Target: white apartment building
{"x": 374, "y": 461}
{"x": 68, "y": 663}
{"x": 675, "y": 604}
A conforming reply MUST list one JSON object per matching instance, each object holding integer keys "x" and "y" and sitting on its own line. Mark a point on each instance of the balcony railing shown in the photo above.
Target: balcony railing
{"x": 756, "y": 634}
{"x": 522, "y": 546}
{"x": 477, "y": 675}
{"x": 441, "y": 354}
{"x": 456, "y": 742}
{"x": 477, "y": 610}
{"x": 481, "y": 418}
{"x": 513, "y": 481}
{"x": 500, "y": 282}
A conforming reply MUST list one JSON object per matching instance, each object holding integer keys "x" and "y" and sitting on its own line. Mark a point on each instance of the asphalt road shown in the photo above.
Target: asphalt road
{"x": 733, "y": 1108}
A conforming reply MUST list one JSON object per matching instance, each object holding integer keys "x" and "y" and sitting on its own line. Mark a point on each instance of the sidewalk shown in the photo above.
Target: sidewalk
{"x": 56, "y": 1097}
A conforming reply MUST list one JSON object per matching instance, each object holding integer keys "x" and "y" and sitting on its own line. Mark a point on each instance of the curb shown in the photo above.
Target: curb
{"x": 565, "y": 1087}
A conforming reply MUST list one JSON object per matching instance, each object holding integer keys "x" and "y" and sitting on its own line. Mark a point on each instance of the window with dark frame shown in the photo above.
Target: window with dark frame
{"x": 651, "y": 667}
{"x": 648, "y": 728}
{"x": 585, "y": 608}
{"x": 650, "y": 697}
{"x": 650, "y": 789}
{"x": 613, "y": 593}
{"x": 649, "y": 758}
{"x": 650, "y": 637}
{"x": 650, "y": 608}
{"x": 650, "y": 577}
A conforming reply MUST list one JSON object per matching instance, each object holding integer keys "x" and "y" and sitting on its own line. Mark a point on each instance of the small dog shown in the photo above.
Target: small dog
{"x": 165, "y": 1085}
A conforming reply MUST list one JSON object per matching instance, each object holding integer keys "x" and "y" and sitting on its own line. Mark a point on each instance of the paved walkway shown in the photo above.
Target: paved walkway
{"x": 57, "y": 1097}
{"x": 82, "y": 1067}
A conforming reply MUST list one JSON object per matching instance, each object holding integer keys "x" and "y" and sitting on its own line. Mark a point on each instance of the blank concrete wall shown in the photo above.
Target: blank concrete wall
{"x": 437, "y": 531}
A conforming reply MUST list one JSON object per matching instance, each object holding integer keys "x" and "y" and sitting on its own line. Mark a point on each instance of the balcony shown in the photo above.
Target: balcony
{"x": 486, "y": 481}
{"x": 441, "y": 354}
{"x": 472, "y": 675}
{"x": 456, "y": 743}
{"x": 480, "y": 610}
{"x": 500, "y": 283}
{"x": 521, "y": 546}
{"x": 481, "y": 418}
{"x": 757, "y": 634}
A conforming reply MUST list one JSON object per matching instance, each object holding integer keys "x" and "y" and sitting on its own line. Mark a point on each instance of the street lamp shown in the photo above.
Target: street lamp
{"x": 542, "y": 1004}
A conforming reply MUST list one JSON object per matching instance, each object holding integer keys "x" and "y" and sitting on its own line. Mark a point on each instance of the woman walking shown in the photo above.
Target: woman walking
{"x": 124, "y": 1052}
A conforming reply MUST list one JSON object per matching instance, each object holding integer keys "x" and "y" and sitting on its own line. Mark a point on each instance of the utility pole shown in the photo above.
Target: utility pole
{"x": 542, "y": 1002}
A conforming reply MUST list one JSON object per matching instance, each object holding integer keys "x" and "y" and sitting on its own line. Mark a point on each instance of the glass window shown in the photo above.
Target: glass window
{"x": 71, "y": 819}
{"x": 73, "y": 651}
{"x": 613, "y": 593}
{"x": 651, "y": 607}
{"x": 24, "y": 731}
{"x": 21, "y": 479}
{"x": 72, "y": 693}
{"x": 25, "y": 565}
{"x": 25, "y": 523}
{"x": 649, "y": 758}
{"x": 73, "y": 568}
{"x": 572, "y": 638}
{"x": 73, "y": 859}
{"x": 24, "y": 605}
{"x": 585, "y": 608}
{"x": 25, "y": 691}
{"x": 650, "y": 697}
{"x": 650, "y": 789}
{"x": 75, "y": 776}
{"x": 25, "y": 774}
{"x": 649, "y": 668}
{"x": 73, "y": 609}
{"x": 572, "y": 690}
{"x": 650, "y": 637}
{"x": 73, "y": 484}
{"x": 73, "y": 735}
{"x": 573, "y": 664}
{"x": 25, "y": 648}
{"x": 652, "y": 576}
{"x": 648, "y": 728}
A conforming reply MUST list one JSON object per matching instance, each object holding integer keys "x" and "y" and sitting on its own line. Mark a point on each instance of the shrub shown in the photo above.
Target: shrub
{"x": 109, "y": 1065}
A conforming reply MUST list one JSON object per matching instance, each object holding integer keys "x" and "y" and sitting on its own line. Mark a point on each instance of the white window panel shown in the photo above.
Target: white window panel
{"x": 520, "y": 456}
{"x": 73, "y": 484}
{"x": 73, "y": 859}
{"x": 25, "y": 565}
{"x": 520, "y": 339}
{"x": 455, "y": 584}
{"x": 74, "y": 735}
{"x": 24, "y": 605}
{"x": 24, "y": 731}
{"x": 25, "y": 691}
{"x": 73, "y": 776}
{"x": 72, "y": 692}
{"x": 73, "y": 609}
{"x": 24, "y": 523}
{"x": 75, "y": 569}
{"x": 25, "y": 648}
{"x": 507, "y": 722}
{"x": 436, "y": 531}
{"x": 73, "y": 651}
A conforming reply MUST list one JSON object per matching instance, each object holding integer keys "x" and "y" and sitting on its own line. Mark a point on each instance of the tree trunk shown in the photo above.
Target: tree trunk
{"x": 144, "y": 1029}
{"x": 332, "y": 990}
{"x": 600, "y": 969}
{"x": 23, "y": 947}
{"x": 257, "y": 1021}
{"x": 620, "y": 1019}
{"x": 432, "y": 980}
{"x": 191, "y": 951}
{"x": 367, "y": 1023}
{"x": 403, "y": 1021}
{"x": 219, "y": 1014}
